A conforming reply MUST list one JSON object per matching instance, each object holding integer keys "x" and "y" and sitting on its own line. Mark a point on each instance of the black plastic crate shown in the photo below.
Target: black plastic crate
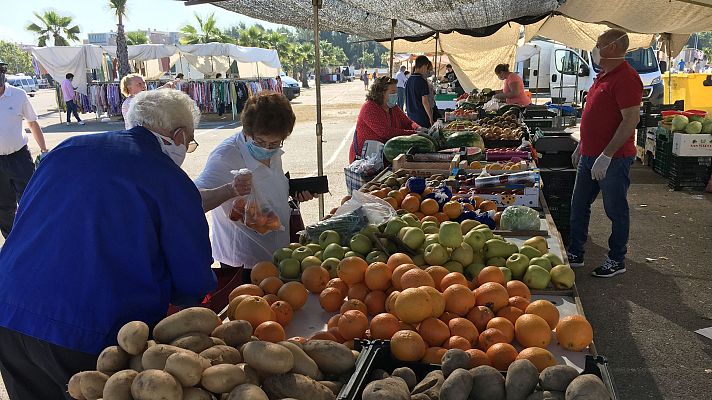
{"x": 539, "y": 123}
{"x": 640, "y": 137}
{"x": 376, "y": 354}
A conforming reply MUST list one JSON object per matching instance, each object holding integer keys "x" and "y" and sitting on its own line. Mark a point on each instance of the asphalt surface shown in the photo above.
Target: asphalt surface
{"x": 643, "y": 320}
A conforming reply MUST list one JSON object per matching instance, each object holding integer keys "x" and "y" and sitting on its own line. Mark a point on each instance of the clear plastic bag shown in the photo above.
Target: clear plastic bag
{"x": 520, "y": 218}
{"x": 253, "y": 211}
{"x": 376, "y": 210}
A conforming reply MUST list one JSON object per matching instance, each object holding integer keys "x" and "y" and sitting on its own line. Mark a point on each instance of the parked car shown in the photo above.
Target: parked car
{"x": 290, "y": 86}
{"x": 26, "y": 83}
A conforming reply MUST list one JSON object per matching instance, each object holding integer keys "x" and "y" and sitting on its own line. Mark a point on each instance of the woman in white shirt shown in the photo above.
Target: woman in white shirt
{"x": 267, "y": 120}
{"x": 130, "y": 86}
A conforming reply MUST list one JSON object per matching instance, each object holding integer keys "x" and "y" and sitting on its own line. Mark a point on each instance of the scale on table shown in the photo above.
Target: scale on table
{"x": 554, "y": 147}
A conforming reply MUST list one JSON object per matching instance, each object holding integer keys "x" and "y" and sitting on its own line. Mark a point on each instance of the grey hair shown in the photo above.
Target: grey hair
{"x": 163, "y": 110}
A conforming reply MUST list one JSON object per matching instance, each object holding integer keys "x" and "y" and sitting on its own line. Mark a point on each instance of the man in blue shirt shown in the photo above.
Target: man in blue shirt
{"x": 109, "y": 230}
{"x": 417, "y": 93}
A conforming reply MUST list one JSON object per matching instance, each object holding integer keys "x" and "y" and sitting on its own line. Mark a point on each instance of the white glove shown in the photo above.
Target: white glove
{"x": 576, "y": 156}
{"x": 422, "y": 130}
{"x": 600, "y": 166}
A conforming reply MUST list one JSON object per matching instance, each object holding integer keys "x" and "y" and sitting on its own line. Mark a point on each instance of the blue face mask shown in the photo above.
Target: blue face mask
{"x": 260, "y": 153}
{"x": 392, "y": 100}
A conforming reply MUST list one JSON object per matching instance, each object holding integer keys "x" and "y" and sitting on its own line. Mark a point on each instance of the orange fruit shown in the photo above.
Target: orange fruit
{"x": 511, "y": 313}
{"x": 477, "y": 200}
{"x": 489, "y": 337}
{"x": 488, "y": 205}
{"x": 357, "y": 291}
{"x": 293, "y": 293}
{"x": 413, "y": 305}
{"x": 574, "y": 333}
{"x": 262, "y": 270}
{"x": 497, "y": 217}
{"x": 398, "y": 273}
{"x": 384, "y": 326}
{"x": 416, "y": 277}
{"x": 437, "y": 301}
{"x": 519, "y": 302}
{"x": 404, "y": 326}
{"x": 323, "y": 336}
{"x": 518, "y": 288}
{"x": 396, "y": 195}
{"x": 410, "y": 203}
{"x": 503, "y": 325}
{"x": 354, "y": 304}
{"x": 453, "y": 209}
{"x": 351, "y": 270}
{"x": 541, "y": 358}
{"x": 331, "y": 299}
{"x": 480, "y": 316}
{"x": 392, "y": 202}
{"x": 546, "y": 310}
{"x": 429, "y": 207}
{"x": 458, "y": 299}
{"x": 270, "y": 298}
{"x": 464, "y": 328}
{"x": 273, "y": 314}
{"x": 271, "y": 285}
{"x": 397, "y": 259}
{"x": 457, "y": 342}
{"x": 532, "y": 331}
{"x": 338, "y": 284}
{"x": 270, "y": 331}
{"x": 490, "y": 274}
{"x": 431, "y": 218}
{"x": 437, "y": 273}
{"x": 403, "y": 191}
{"x": 447, "y": 316}
{"x": 254, "y": 309}
{"x": 419, "y": 215}
{"x": 315, "y": 278}
{"x": 492, "y": 295}
{"x": 477, "y": 358}
{"x": 353, "y": 324}
{"x": 283, "y": 312}
{"x": 378, "y": 276}
{"x": 434, "y": 331}
{"x": 501, "y": 355}
{"x": 375, "y": 302}
{"x": 337, "y": 335}
{"x": 452, "y": 278}
{"x": 468, "y": 207}
{"x": 246, "y": 288}
{"x": 442, "y": 217}
{"x": 232, "y": 306}
{"x": 333, "y": 321}
{"x": 391, "y": 301}
{"x": 434, "y": 355}
{"x": 408, "y": 346}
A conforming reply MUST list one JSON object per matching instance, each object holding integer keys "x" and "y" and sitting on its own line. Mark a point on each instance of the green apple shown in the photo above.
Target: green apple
{"x": 328, "y": 237}
{"x": 507, "y": 274}
{"x": 334, "y": 250}
{"x": 454, "y": 266}
{"x": 475, "y": 239}
{"x": 394, "y": 226}
{"x": 496, "y": 248}
{"x": 542, "y": 262}
{"x": 413, "y": 237}
{"x": 302, "y": 253}
{"x": 382, "y": 226}
{"x": 354, "y": 254}
{"x": 518, "y": 264}
{"x": 281, "y": 254}
{"x": 360, "y": 243}
{"x": 478, "y": 257}
{"x": 512, "y": 248}
{"x": 430, "y": 225}
{"x": 369, "y": 230}
{"x": 563, "y": 277}
{"x": 330, "y": 265}
{"x": 411, "y": 220}
{"x": 309, "y": 261}
{"x": 435, "y": 254}
{"x": 539, "y": 243}
{"x": 536, "y": 277}
{"x": 315, "y": 247}
{"x": 294, "y": 246}
{"x": 553, "y": 258}
{"x": 431, "y": 230}
{"x": 376, "y": 256}
{"x": 463, "y": 254}
{"x": 346, "y": 249}
{"x": 430, "y": 238}
{"x": 530, "y": 252}
{"x": 391, "y": 247}
{"x": 472, "y": 270}
{"x": 419, "y": 260}
{"x": 485, "y": 231}
{"x": 450, "y": 234}
{"x": 290, "y": 268}
{"x": 498, "y": 237}
{"x": 497, "y": 262}
{"x": 468, "y": 225}
{"x": 319, "y": 255}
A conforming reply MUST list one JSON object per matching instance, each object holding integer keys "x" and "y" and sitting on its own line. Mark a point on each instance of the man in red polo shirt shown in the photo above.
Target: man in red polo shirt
{"x": 606, "y": 151}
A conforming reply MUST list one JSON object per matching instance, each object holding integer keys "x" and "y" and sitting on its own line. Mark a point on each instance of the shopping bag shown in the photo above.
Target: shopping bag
{"x": 254, "y": 211}
{"x": 296, "y": 223}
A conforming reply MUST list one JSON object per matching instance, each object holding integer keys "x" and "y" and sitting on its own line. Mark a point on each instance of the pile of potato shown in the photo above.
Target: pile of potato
{"x": 193, "y": 356}
{"x": 455, "y": 381}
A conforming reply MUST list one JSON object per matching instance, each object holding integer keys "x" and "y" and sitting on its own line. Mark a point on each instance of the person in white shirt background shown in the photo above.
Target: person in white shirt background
{"x": 68, "y": 93}
{"x": 16, "y": 166}
{"x": 401, "y": 77}
{"x": 133, "y": 84}
{"x": 267, "y": 120}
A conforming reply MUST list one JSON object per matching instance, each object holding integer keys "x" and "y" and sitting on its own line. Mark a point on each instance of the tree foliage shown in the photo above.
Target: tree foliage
{"x": 137, "y": 37}
{"x": 54, "y": 26}
{"x": 118, "y": 7}
{"x": 206, "y": 31}
{"x": 17, "y": 60}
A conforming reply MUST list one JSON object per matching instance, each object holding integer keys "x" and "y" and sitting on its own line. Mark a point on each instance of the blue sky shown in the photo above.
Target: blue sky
{"x": 95, "y": 16}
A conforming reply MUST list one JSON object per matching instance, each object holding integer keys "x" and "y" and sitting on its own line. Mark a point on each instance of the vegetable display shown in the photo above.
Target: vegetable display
{"x": 520, "y": 218}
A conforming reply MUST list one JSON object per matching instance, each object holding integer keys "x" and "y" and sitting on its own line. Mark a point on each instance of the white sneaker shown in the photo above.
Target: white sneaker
{"x": 66, "y": 123}
{"x": 81, "y": 122}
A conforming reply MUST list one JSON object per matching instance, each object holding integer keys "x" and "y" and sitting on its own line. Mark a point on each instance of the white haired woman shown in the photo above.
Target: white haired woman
{"x": 110, "y": 230}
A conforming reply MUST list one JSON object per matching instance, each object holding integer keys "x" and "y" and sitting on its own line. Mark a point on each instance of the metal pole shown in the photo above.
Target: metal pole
{"x": 669, "y": 69}
{"x": 180, "y": 58}
{"x": 538, "y": 72}
{"x": 393, "y": 34}
{"x": 435, "y": 72}
{"x": 316, "y": 5}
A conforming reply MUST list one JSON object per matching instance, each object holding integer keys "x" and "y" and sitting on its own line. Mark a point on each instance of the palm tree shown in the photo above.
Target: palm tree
{"x": 122, "y": 51}
{"x": 305, "y": 53}
{"x": 253, "y": 37}
{"x": 206, "y": 32}
{"x": 134, "y": 38}
{"x": 54, "y": 26}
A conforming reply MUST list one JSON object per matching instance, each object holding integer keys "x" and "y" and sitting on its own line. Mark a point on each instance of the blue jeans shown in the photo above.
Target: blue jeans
{"x": 615, "y": 202}
{"x": 72, "y": 109}
{"x": 401, "y": 97}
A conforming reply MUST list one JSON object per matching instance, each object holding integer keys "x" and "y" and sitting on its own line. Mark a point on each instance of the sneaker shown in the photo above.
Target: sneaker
{"x": 574, "y": 260}
{"x": 66, "y": 123}
{"x": 81, "y": 122}
{"x": 609, "y": 269}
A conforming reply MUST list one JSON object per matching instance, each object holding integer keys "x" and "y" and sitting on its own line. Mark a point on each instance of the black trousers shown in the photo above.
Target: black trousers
{"x": 33, "y": 369}
{"x": 245, "y": 273}
{"x": 15, "y": 172}
{"x": 72, "y": 109}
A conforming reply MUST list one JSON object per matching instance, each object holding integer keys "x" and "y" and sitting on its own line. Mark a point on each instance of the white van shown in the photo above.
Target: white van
{"x": 24, "y": 82}
{"x": 567, "y": 74}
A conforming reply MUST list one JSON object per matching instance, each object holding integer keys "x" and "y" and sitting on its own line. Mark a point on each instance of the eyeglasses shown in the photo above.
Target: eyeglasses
{"x": 269, "y": 145}
{"x": 192, "y": 145}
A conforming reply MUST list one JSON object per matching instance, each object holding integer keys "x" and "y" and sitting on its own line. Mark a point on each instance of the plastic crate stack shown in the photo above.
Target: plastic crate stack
{"x": 689, "y": 172}
{"x": 558, "y": 188}
{"x": 640, "y": 137}
{"x": 663, "y": 152}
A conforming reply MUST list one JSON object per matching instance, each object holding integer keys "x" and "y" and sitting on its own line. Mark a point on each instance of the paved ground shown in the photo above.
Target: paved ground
{"x": 644, "y": 320}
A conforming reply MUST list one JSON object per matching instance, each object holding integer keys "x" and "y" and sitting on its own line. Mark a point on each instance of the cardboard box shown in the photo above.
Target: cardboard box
{"x": 685, "y": 145}
{"x": 530, "y": 198}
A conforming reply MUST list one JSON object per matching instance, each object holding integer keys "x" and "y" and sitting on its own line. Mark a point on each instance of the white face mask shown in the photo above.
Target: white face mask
{"x": 596, "y": 53}
{"x": 175, "y": 151}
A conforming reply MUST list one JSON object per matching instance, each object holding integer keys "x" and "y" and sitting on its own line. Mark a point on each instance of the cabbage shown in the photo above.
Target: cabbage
{"x": 520, "y": 218}
{"x": 707, "y": 126}
{"x": 694, "y": 127}
{"x": 679, "y": 122}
